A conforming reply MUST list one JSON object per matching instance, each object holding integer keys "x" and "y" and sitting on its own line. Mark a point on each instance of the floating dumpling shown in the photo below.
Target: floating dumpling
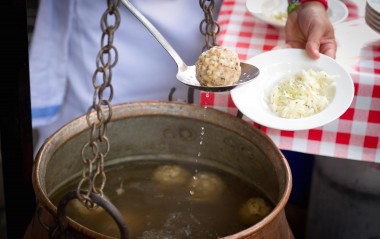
{"x": 206, "y": 186}
{"x": 254, "y": 210}
{"x": 171, "y": 175}
{"x": 218, "y": 66}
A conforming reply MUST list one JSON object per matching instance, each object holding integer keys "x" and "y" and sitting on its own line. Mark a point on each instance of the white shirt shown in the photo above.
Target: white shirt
{"x": 66, "y": 41}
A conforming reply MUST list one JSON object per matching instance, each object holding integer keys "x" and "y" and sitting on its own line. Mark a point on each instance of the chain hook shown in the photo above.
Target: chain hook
{"x": 208, "y": 26}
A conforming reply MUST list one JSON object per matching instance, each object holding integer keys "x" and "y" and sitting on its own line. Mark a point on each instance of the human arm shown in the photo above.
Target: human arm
{"x": 308, "y": 26}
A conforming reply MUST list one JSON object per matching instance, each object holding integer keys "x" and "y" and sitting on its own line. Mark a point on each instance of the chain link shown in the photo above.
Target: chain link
{"x": 96, "y": 149}
{"x": 208, "y": 26}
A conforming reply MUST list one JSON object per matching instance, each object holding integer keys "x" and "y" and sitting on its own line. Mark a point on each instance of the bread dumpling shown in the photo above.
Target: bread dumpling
{"x": 254, "y": 210}
{"x": 206, "y": 186}
{"x": 218, "y": 66}
{"x": 171, "y": 175}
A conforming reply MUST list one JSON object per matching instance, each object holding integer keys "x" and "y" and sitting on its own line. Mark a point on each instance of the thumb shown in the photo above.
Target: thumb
{"x": 312, "y": 48}
{"x": 318, "y": 42}
{"x": 313, "y": 43}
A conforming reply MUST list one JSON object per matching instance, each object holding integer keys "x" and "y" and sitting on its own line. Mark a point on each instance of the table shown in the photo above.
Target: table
{"x": 356, "y": 134}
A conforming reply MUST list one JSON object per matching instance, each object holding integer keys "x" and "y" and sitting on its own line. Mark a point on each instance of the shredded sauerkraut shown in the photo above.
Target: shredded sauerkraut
{"x": 304, "y": 94}
{"x": 281, "y": 16}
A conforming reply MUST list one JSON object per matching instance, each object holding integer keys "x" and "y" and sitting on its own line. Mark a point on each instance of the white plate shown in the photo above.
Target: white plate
{"x": 252, "y": 98}
{"x": 266, "y": 10}
{"x": 375, "y": 5}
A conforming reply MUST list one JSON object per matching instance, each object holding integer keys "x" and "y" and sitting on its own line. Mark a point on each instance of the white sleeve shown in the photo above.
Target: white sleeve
{"x": 48, "y": 56}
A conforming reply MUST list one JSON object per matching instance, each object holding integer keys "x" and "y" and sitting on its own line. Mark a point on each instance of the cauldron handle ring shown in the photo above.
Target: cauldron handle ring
{"x": 105, "y": 204}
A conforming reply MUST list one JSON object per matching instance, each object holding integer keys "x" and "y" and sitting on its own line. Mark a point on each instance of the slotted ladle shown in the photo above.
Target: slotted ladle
{"x": 186, "y": 74}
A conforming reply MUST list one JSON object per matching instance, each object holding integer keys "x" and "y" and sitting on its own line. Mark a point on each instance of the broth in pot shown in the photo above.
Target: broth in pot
{"x": 171, "y": 200}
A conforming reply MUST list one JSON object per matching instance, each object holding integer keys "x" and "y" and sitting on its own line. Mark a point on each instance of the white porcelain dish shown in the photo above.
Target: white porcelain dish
{"x": 372, "y": 15}
{"x": 269, "y": 10}
{"x": 252, "y": 99}
{"x": 375, "y": 6}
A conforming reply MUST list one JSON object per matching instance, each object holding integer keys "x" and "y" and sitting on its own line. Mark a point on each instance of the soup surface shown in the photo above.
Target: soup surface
{"x": 169, "y": 200}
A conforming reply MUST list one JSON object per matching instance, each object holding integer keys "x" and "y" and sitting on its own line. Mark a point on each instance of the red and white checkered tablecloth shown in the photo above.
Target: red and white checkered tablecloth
{"x": 355, "y": 135}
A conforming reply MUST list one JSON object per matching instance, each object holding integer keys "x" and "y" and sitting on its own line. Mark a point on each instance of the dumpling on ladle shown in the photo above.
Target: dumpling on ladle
{"x": 205, "y": 186}
{"x": 218, "y": 66}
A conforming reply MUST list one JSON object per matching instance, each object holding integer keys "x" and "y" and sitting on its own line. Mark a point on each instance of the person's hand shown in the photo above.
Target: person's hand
{"x": 309, "y": 27}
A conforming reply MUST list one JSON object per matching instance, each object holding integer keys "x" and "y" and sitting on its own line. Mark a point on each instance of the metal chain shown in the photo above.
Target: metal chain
{"x": 208, "y": 26}
{"x": 96, "y": 149}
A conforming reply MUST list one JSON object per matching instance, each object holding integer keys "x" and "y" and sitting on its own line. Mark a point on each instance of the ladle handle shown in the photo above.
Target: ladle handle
{"x": 152, "y": 29}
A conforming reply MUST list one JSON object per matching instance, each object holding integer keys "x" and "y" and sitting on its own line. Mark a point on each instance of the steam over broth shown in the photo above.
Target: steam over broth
{"x": 156, "y": 209}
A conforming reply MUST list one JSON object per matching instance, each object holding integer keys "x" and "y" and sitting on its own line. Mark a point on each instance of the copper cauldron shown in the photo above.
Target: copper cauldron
{"x": 161, "y": 129}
